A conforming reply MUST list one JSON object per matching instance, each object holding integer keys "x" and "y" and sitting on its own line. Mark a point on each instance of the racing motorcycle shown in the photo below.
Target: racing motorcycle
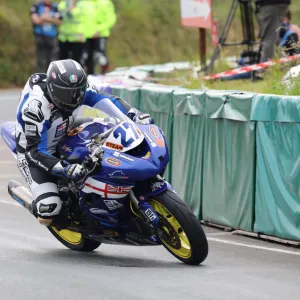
{"x": 123, "y": 198}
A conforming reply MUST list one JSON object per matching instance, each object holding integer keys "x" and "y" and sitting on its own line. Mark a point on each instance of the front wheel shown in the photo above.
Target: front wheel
{"x": 74, "y": 240}
{"x": 182, "y": 234}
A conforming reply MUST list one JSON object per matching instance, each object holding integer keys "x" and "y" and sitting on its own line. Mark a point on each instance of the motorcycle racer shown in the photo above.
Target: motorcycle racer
{"x": 48, "y": 107}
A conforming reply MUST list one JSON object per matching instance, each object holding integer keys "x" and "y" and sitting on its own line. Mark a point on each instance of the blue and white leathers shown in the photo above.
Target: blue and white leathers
{"x": 40, "y": 127}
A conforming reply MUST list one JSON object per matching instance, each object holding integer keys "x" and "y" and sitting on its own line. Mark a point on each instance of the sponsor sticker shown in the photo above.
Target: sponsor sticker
{"x": 156, "y": 185}
{"x": 19, "y": 200}
{"x": 75, "y": 131}
{"x": 66, "y": 148}
{"x": 150, "y": 214}
{"x": 114, "y": 146}
{"x": 112, "y": 161}
{"x": 53, "y": 75}
{"x": 118, "y": 154}
{"x": 118, "y": 175}
{"x": 149, "y": 139}
{"x": 159, "y": 142}
{"x": 112, "y": 204}
{"x": 73, "y": 79}
{"x": 153, "y": 131}
{"x": 30, "y": 127}
{"x": 23, "y": 167}
{"x": 30, "y": 133}
{"x": 61, "y": 129}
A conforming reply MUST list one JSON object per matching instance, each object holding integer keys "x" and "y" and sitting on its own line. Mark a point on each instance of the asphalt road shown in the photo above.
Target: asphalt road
{"x": 33, "y": 265}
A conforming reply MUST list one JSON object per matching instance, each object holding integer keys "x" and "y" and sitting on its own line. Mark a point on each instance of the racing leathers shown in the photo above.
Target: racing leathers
{"x": 40, "y": 126}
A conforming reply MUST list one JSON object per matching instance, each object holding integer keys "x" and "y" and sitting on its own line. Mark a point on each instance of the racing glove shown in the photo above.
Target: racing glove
{"x": 75, "y": 172}
{"x": 139, "y": 118}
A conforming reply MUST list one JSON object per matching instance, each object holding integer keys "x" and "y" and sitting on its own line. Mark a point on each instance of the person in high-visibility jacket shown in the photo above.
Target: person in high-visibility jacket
{"x": 97, "y": 31}
{"x": 106, "y": 19}
{"x": 71, "y": 33}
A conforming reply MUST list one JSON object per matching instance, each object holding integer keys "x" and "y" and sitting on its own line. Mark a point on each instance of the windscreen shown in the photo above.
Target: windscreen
{"x": 107, "y": 109}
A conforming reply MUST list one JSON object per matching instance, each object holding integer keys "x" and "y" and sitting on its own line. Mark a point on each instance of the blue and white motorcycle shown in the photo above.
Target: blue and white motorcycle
{"x": 123, "y": 198}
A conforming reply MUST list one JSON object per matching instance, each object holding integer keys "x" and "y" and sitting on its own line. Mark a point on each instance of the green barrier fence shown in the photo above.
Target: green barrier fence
{"x": 130, "y": 94}
{"x": 157, "y": 101}
{"x": 187, "y": 146}
{"x": 229, "y": 160}
{"x": 278, "y": 166}
{"x": 234, "y": 156}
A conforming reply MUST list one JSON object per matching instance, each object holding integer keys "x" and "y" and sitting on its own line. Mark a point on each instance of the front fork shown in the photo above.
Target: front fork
{"x": 145, "y": 209}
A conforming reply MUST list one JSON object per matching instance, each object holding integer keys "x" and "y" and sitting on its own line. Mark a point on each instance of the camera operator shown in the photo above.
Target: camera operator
{"x": 271, "y": 15}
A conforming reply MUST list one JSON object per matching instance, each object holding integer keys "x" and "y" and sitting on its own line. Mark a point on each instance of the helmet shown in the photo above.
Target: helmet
{"x": 66, "y": 84}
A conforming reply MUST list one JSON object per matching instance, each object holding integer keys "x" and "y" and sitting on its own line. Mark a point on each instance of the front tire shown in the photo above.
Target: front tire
{"x": 74, "y": 240}
{"x": 183, "y": 235}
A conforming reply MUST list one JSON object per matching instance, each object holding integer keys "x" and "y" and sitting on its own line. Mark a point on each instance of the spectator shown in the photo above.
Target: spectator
{"x": 45, "y": 19}
{"x": 97, "y": 30}
{"x": 106, "y": 20}
{"x": 271, "y": 15}
{"x": 287, "y": 22}
{"x": 71, "y": 34}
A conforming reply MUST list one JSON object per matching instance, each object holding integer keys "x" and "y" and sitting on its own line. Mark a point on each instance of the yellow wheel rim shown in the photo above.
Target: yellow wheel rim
{"x": 184, "y": 250}
{"x": 69, "y": 236}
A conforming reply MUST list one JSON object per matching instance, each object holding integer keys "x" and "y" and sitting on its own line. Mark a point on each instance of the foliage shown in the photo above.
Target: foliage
{"x": 147, "y": 32}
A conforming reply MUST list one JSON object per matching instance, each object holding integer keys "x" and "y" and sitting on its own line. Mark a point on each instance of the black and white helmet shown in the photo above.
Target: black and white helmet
{"x": 66, "y": 84}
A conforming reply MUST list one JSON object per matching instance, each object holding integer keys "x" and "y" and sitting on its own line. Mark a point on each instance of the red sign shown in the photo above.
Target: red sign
{"x": 196, "y": 13}
{"x": 214, "y": 34}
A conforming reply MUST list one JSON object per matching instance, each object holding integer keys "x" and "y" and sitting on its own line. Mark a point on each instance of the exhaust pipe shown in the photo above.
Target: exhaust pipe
{"x": 20, "y": 193}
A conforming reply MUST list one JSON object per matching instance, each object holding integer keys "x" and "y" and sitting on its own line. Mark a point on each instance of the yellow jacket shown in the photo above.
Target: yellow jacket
{"x": 106, "y": 17}
{"x": 72, "y": 27}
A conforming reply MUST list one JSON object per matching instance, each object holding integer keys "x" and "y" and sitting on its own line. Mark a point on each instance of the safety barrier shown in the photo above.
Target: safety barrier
{"x": 234, "y": 156}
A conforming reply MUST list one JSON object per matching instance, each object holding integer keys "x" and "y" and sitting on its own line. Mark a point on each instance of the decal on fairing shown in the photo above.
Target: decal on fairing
{"x": 126, "y": 135}
{"x": 126, "y": 157}
{"x": 114, "y": 146}
{"x": 149, "y": 139}
{"x": 156, "y": 185}
{"x": 67, "y": 148}
{"x": 153, "y": 131}
{"x": 112, "y": 161}
{"x": 106, "y": 190}
{"x": 118, "y": 175}
{"x": 75, "y": 131}
{"x": 112, "y": 204}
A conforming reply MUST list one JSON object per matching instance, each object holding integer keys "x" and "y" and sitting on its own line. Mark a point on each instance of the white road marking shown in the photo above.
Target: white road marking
{"x": 252, "y": 246}
{"x": 212, "y": 239}
{"x": 10, "y": 176}
{"x": 8, "y": 162}
{"x": 10, "y": 202}
{"x": 218, "y": 233}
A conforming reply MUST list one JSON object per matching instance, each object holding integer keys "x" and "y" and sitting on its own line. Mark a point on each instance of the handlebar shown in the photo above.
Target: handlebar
{"x": 94, "y": 159}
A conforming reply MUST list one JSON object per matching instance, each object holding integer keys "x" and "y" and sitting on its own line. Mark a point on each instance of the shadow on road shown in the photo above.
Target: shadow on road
{"x": 66, "y": 256}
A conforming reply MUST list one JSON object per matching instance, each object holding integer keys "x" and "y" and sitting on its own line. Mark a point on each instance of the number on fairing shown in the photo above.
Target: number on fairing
{"x": 126, "y": 130}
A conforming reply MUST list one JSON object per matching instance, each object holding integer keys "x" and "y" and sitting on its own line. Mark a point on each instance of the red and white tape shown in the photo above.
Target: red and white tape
{"x": 251, "y": 68}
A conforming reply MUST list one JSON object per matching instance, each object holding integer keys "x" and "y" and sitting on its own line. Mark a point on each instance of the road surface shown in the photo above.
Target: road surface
{"x": 33, "y": 265}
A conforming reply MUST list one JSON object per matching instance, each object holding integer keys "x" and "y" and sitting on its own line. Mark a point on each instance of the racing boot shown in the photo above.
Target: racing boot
{"x": 42, "y": 221}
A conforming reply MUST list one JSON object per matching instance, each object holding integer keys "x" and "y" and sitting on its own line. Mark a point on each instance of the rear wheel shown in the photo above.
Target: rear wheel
{"x": 74, "y": 240}
{"x": 182, "y": 234}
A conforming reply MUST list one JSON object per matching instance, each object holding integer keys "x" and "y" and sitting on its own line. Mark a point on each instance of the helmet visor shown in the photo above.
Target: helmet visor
{"x": 67, "y": 98}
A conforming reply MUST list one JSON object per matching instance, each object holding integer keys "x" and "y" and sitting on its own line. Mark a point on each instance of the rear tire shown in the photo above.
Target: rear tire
{"x": 74, "y": 240}
{"x": 176, "y": 214}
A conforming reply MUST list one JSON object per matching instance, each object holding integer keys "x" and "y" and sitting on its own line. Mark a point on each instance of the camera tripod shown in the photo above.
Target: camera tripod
{"x": 247, "y": 19}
